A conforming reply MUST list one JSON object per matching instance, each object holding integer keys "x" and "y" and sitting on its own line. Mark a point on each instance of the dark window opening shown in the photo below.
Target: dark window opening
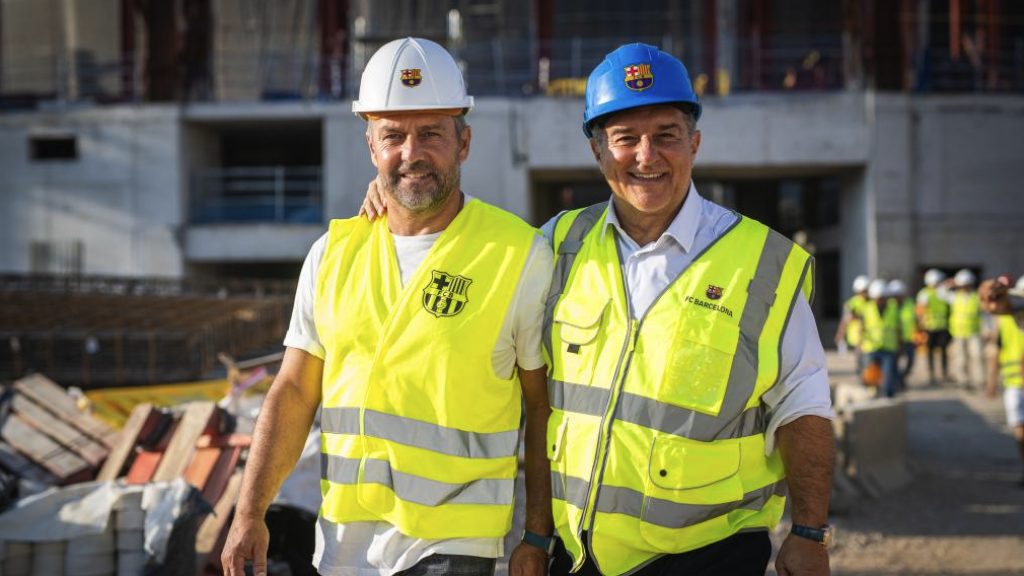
{"x": 44, "y": 148}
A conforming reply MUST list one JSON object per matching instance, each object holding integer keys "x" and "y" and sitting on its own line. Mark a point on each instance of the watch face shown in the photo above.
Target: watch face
{"x": 827, "y": 533}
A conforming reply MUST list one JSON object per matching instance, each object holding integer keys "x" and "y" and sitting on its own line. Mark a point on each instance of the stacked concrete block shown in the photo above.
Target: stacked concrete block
{"x": 48, "y": 558}
{"x": 92, "y": 555}
{"x": 17, "y": 559}
{"x": 873, "y": 443}
{"x": 129, "y": 521}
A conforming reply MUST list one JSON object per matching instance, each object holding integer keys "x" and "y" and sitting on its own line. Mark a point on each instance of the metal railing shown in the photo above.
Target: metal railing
{"x": 279, "y": 194}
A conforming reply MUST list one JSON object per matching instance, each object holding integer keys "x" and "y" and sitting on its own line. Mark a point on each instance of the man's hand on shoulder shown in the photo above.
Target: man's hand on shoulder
{"x": 247, "y": 540}
{"x": 801, "y": 557}
{"x": 374, "y": 204}
{"x": 527, "y": 560}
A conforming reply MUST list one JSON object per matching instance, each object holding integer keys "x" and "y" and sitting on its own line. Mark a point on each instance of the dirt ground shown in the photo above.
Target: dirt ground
{"x": 964, "y": 511}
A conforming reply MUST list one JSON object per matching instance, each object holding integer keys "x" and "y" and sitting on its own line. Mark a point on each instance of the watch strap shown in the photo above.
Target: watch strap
{"x": 818, "y": 535}
{"x": 545, "y": 543}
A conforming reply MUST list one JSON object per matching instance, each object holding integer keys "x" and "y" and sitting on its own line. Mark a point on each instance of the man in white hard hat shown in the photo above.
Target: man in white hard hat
{"x": 1008, "y": 366}
{"x": 882, "y": 334}
{"x": 848, "y": 334}
{"x": 419, "y": 336}
{"x": 933, "y": 317}
{"x": 965, "y": 324}
{"x": 908, "y": 327}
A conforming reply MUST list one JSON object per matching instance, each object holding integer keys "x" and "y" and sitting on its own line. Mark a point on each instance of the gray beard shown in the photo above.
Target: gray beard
{"x": 424, "y": 201}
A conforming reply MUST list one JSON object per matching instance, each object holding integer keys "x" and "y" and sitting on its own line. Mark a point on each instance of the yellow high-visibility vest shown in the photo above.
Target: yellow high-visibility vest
{"x": 418, "y": 431}
{"x": 908, "y": 321}
{"x": 936, "y": 311}
{"x": 881, "y": 330}
{"x": 1011, "y": 351}
{"x": 855, "y": 328}
{"x": 965, "y": 318}
{"x": 656, "y": 437}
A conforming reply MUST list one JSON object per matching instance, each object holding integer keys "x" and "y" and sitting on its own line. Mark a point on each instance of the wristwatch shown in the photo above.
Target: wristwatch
{"x": 545, "y": 543}
{"x": 823, "y": 535}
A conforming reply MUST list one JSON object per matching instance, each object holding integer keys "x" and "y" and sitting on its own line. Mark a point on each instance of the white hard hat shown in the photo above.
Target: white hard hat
{"x": 1020, "y": 283}
{"x": 933, "y": 277}
{"x": 860, "y": 283}
{"x": 876, "y": 289}
{"x": 964, "y": 278}
{"x": 896, "y": 288}
{"x": 411, "y": 74}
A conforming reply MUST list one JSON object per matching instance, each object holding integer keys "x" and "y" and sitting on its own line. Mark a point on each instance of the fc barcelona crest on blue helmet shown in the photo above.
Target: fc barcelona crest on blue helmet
{"x": 412, "y": 77}
{"x": 445, "y": 294}
{"x": 714, "y": 292}
{"x": 638, "y": 77}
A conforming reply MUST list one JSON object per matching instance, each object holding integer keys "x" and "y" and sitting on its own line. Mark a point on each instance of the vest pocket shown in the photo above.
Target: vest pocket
{"x": 579, "y": 319}
{"x": 699, "y": 363}
{"x": 688, "y": 482}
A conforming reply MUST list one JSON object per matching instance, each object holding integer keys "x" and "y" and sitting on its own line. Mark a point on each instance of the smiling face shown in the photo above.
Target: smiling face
{"x": 646, "y": 155}
{"x": 418, "y": 158}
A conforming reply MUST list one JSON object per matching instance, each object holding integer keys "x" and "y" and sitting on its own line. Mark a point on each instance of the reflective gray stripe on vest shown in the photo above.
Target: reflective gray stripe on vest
{"x": 743, "y": 374}
{"x": 653, "y": 414}
{"x": 669, "y": 514}
{"x": 566, "y": 253}
{"x": 416, "y": 489}
{"x": 570, "y": 489}
{"x": 419, "y": 434}
{"x": 571, "y": 397}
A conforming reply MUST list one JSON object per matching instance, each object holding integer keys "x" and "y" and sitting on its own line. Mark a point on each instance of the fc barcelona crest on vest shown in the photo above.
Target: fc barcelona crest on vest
{"x": 412, "y": 77}
{"x": 714, "y": 292}
{"x": 445, "y": 295}
{"x": 638, "y": 77}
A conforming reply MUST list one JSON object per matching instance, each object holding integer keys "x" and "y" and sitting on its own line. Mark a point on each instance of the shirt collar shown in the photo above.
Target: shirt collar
{"x": 682, "y": 229}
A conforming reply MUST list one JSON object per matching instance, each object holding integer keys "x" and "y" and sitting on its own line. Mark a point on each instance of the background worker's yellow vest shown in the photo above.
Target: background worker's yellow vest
{"x": 908, "y": 321}
{"x": 656, "y": 437}
{"x": 1011, "y": 350}
{"x": 881, "y": 330}
{"x": 936, "y": 311}
{"x": 418, "y": 431}
{"x": 855, "y": 328}
{"x": 965, "y": 318}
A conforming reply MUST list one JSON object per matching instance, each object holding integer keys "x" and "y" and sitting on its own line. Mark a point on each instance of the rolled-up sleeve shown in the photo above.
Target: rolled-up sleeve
{"x": 803, "y": 388}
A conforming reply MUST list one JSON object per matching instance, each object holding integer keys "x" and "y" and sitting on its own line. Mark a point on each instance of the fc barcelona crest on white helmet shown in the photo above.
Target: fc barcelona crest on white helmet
{"x": 445, "y": 294}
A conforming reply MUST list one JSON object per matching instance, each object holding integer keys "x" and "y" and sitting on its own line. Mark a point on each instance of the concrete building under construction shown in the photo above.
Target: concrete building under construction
{"x": 214, "y": 138}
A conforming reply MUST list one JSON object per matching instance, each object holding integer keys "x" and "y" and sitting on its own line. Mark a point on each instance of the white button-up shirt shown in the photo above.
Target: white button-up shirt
{"x": 802, "y": 389}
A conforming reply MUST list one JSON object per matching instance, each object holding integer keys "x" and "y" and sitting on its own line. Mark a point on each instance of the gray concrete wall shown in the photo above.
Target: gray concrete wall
{"x": 121, "y": 199}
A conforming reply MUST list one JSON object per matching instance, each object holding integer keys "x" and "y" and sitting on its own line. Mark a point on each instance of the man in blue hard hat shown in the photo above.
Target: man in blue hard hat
{"x": 688, "y": 384}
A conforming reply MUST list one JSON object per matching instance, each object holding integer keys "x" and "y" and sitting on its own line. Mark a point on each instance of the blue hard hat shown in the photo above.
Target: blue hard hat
{"x": 637, "y": 75}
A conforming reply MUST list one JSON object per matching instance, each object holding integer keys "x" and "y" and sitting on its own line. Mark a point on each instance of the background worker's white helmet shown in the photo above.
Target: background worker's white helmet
{"x": 896, "y": 288}
{"x": 860, "y": 283}
{"x": 933, "y": 277}
{"x": 411, "y": 74}
{"x": 876, "y": 289}
{"x": 964, "y": 278}
{"x": 1020, "y": 283}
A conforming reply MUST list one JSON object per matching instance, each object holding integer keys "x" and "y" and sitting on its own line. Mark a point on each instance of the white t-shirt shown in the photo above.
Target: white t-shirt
{"x": 802, "y": 389}
{"x": 378, "y": 548}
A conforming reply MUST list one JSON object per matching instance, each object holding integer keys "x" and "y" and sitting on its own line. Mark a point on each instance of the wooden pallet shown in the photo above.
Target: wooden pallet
{"x": 45, "y": 437}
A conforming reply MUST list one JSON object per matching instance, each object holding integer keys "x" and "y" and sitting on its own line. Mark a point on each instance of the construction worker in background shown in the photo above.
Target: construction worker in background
{"x": 661, "y": 306}
{"x": 663, "y": 362}
{"x": 999, "y": 298}
{"x": 881, "y": 341}
{"x": 419, "y": 333}
{"x": 1009, "y": 365}
{"x": 965, "y": 328}
{"x": 848, "y": 334}
{"x": 933, "y": 317}
{"x": 908, "y": 327}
